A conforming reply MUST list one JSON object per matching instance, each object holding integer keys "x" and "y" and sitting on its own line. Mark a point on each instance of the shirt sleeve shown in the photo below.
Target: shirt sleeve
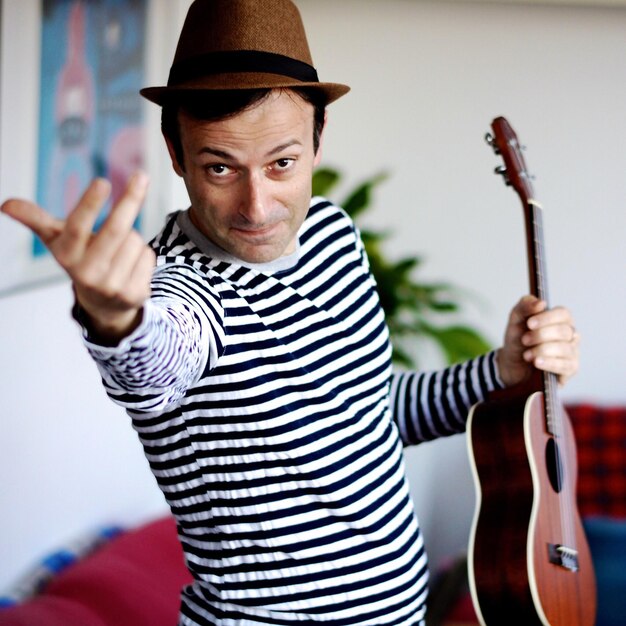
{"x": 179, "y": 337}
{"x": 428, "y": 405}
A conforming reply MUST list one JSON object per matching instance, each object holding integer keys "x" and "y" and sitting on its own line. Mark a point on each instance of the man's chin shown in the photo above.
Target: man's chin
{"x": 260, "y": 248}
{"x": 260, "y": 253}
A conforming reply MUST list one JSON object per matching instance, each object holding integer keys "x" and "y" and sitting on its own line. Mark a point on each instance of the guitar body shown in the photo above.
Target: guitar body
{"x": 518, "y": 519}
{"x": 528, "y": 559}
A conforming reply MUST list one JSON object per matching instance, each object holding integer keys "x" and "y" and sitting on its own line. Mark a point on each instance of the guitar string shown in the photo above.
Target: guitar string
{"x": 552, "y": 407}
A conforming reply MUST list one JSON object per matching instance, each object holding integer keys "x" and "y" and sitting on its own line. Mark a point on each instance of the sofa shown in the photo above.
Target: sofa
{"x": 134, "y": 577}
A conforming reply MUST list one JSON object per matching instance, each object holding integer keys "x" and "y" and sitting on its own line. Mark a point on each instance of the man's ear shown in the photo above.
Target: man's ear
{"x": 175, "y": 164}
{"x": 318, "y": 154}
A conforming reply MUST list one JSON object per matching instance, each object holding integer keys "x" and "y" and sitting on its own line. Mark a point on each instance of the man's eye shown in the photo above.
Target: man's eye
{"x": 218, "y": 169}
{"x": 283, "y": 164}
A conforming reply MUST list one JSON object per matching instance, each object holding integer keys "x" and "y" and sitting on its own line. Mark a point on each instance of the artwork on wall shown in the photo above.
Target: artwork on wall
{"x": 92, "y": 59}
{"x": 90, "y": 115}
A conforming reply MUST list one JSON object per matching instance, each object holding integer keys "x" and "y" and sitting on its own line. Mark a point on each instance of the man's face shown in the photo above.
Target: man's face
{"x": 249, "y": 176}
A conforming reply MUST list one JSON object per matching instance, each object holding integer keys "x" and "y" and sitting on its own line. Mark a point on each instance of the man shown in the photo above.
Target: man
{"x": 252, "y": 355}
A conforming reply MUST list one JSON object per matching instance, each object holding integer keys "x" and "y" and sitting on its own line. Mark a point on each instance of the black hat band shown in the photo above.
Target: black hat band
{"x": 231, "y": 61}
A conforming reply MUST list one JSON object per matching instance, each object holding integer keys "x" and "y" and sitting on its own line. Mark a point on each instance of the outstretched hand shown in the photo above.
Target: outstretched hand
{"x": 111, "y": 269}
{"x": 544, "y": 338}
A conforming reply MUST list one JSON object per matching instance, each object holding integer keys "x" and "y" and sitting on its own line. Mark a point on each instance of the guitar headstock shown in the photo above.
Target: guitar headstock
{"x": 505, "y": 143}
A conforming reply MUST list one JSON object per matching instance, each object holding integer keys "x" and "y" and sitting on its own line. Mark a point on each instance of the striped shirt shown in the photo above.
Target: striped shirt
{"x": 265, "y": 402}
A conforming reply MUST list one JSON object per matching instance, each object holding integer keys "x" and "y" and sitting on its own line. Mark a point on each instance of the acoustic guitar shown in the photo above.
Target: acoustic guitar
{"x": 528, "y": 558}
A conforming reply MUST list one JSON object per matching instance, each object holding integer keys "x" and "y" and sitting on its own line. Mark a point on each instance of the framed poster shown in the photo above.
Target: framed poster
{"x": 77, "y": 116}
{"x": 90, "y": 116}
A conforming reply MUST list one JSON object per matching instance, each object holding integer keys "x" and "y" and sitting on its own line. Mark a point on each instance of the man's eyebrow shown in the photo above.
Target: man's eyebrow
{"x": 222, "y": 154}
{"x": 218, "y": 153}
{"x": 284, "y": 146}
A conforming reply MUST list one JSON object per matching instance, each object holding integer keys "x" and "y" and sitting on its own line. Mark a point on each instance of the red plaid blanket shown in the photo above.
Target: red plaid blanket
{"x": 601, "y": 441}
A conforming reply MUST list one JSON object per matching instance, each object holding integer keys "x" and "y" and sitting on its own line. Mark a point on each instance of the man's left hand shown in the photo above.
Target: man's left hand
{"x": 544, "y": 338}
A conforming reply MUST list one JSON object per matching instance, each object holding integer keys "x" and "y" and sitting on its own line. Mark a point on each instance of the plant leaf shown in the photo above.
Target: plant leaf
{"x": 444, "y": 307}
{"x": 361, "y": 197}
{"x": 324, "y": 180}
{"x": 370, "y": 238}
{"x": 459, "y": 343}
{"x": 400, "y": 357}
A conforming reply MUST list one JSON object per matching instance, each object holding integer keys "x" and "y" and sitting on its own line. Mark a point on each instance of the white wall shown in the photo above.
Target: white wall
{"x": 69, "y": 461}
{"x": 427, "y": 79}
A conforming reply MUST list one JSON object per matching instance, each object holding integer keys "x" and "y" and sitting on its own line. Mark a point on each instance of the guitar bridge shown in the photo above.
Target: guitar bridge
{"x": 563, "y": 556}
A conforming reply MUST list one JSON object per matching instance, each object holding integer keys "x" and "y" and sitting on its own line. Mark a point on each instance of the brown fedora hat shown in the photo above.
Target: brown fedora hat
{"x": 241, "y": 44}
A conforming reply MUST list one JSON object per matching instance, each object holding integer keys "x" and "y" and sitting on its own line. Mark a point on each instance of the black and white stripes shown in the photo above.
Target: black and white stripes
{"x": 263, "y": 397}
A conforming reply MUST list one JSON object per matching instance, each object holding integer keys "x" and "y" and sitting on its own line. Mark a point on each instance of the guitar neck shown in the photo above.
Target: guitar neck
{"x": 539, "y": 287}
{"x": 504, "y": 141}
{"x": 536, "y": 250}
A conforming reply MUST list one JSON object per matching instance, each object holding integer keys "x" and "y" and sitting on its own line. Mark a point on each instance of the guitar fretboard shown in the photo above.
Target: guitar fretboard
{"x": 539, "y": 288}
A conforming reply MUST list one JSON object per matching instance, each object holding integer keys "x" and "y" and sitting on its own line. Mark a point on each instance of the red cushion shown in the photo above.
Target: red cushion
{"x": 601, "y": 443}
{"x": 134, "y": 580}
{"x": 462, "y": 613}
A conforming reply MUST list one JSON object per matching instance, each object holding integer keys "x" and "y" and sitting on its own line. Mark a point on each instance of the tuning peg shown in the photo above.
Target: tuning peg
{"x": 501, "y": 171}
{"x": 490, "y": 139}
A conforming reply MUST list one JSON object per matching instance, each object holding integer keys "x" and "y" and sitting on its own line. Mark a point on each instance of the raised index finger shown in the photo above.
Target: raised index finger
{"x": 79, "y": 224}
{"x": 121, "y": 218}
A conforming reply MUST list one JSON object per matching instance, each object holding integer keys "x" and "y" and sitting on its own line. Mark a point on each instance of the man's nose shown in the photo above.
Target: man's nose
{"x": 255, "y": 204}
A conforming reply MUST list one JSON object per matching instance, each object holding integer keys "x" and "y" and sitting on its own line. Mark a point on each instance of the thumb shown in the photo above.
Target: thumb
{"x": 34, "y": 217}
{"x": 527, "y": 306}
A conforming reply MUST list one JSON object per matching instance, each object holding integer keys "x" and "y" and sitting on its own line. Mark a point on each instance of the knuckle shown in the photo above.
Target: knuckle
{"x": 72, "y": 231}
{"x": 82, "y": 276}
{"x": 91, "y": 275}
{"x": 115, "y": 230}
{"x": 65, "y": 259}
{"x": 149, "y": 256}
{"x": 136, "y": 240}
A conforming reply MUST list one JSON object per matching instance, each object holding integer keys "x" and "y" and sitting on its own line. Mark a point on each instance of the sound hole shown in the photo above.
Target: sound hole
{"x": 553, "y": 463}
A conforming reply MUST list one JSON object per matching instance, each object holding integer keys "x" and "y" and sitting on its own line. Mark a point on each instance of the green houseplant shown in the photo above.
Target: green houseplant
{"x": 413, "y": 309}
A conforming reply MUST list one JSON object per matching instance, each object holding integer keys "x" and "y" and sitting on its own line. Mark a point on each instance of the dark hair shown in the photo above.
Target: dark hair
{"x": 220, "y": 105}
